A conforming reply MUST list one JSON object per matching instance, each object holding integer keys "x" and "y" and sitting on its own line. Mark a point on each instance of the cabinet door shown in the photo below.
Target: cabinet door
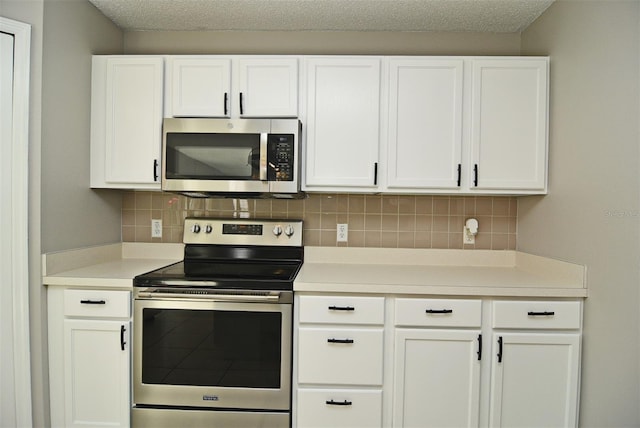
{"x": 133, "y": 121}
{"x": 535, "y": 380}
{"x": 437, "y": 378}
{"x": 268, "y": 87}
{"x": 425, "y": 124}
{"x": 200, "y": 87}
{"x": 97, "y": 380}
{"x": 509, "y": 124}
{"x": 343, "y": 122}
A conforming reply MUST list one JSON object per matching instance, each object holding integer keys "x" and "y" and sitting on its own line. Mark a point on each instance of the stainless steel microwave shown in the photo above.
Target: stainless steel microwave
{"x": 240, "y": 158}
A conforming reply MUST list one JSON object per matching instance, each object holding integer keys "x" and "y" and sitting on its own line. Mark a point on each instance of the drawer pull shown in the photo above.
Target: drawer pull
{"x": 339, "y": 403}
{"x": 541, "y": 314}
{"x": 439, "y": 311}
{"x": 342, "y": 308}
{"x": 93, "y": 302}
{"x": 500, "y": 349}
{"x": 332, "y": 340}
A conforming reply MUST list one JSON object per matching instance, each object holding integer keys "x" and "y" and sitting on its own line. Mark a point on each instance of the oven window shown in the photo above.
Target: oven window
{"x": 213, "y": 156}
{"x": 211, "y": 348}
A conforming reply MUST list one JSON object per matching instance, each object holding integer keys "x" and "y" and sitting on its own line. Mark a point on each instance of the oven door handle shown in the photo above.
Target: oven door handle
{"x": 236, "y": 298}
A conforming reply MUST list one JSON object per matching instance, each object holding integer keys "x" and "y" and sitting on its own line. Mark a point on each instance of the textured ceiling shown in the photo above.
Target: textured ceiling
{"x": 497, "y": 16}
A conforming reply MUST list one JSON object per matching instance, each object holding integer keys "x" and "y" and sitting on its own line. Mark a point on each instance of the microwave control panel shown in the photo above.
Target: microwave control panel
{"x": 280, "y": 157}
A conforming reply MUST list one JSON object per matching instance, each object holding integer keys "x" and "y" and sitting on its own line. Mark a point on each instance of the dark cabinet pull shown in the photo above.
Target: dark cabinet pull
{"x": 342, "y": 308}
{"x": 226, "y": 102}
{"x": 459, "y": 174}
{"x": 339, "y": 403}
{"x": 540, "y": 314}
{"x": 241, "y": 104}
{"x": 439, "y": 311}
{"x": 155, "y": 170}
{"x": 500, "y": 349}
{"x": 332, "y": 340}
{"x": 122, "y": 342}
{"x": 375, "y": 174}
{"x": 475, "y": 175}
{"x": 479, "y": 347}
{"x": 93, "y": 302}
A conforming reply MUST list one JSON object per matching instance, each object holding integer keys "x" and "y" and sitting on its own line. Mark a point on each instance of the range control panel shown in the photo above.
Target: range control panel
{"x": 203, "y": 230}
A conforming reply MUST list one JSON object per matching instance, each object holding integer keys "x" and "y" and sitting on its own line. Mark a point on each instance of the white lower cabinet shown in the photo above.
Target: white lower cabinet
{"x": 96, "y": 373}
{"x": 364, "y": 361}
{"x": 89, "y": 357}
{"x": 535, "y": 369}
{"x": 438, "y": 352}
{"x": 339, "y": 408}
{"x": 437, "y": 378}
{"x": 339, "y": 362}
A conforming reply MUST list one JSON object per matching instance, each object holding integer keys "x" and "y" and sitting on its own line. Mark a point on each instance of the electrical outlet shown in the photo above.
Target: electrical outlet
{"x": 342, "y": 233}
{"x": 156, "y": 228}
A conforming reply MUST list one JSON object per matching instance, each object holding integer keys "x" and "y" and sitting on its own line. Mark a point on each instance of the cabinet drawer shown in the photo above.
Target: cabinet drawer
{"x": 342, "y": 310}
{"x": 438, "y": 312}
{"x": 347, "y": 408}
{"x": 536, "y": 315}
{"x": 97, "y": 303}
{"x": 340, "y": 356}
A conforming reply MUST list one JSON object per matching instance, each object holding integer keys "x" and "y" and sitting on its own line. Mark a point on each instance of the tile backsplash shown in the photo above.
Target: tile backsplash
{"x": 390, "y": 221}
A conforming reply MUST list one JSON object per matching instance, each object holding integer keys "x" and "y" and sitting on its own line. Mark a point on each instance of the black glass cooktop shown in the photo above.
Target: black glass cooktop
{"x": 228, "y": 274}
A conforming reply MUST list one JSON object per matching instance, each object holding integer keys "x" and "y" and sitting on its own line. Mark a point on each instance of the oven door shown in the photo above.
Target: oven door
{"x": 231, "y": 352}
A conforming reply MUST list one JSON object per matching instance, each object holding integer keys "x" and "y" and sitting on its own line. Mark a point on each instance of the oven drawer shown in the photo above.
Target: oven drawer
{"x": 340, "y": 356}
{"x": 536, "y": 314}
{"x": 339, "y": 408}
{"x": 97, "y": 303}
{"x": 438, "y": 313}
{"x": 342, "y": 310}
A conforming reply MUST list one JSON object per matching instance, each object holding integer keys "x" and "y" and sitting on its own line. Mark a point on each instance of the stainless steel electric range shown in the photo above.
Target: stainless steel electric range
{"x": 213, "y": 334}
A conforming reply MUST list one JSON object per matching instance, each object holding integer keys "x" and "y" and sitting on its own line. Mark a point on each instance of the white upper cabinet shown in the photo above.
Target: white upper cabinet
{"x": 213, "y": 86}
{"x": 126, "y": 121}
{"x": 342, "y": 123}
{"x": 509, "y": 117}
{"x": 268, "y": 87}
{"x": 425, "y": 124}
{"x": 198, "y": 87}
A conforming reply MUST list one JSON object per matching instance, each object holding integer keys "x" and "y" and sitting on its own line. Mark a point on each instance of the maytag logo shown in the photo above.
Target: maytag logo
{"x": 210, "y": 397}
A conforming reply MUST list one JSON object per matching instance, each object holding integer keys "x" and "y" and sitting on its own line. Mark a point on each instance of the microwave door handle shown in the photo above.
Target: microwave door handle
{"x": 263, "y": 156}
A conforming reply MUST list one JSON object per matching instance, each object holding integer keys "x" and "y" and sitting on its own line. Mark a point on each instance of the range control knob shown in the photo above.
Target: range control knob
{"x": 289, "y": 231}
{"x": 208, "y": 229}
{"x": 195, "y": 228}
{"x": 277, "y": 230}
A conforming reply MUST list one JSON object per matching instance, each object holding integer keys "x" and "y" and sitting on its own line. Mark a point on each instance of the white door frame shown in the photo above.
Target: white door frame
{"x": 19, "y": 217}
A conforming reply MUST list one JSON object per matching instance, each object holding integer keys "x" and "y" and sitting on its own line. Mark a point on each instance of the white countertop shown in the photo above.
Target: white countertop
{"x": 347, "y": 270}
{"x": 438, "y": 272}
{"x": 107, "y": 266}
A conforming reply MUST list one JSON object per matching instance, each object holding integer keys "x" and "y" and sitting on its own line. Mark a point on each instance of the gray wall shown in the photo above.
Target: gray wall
{"x": 73, "y": 215}
{"x": 592, "y": 213}
{"x": 317, "y": 43}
